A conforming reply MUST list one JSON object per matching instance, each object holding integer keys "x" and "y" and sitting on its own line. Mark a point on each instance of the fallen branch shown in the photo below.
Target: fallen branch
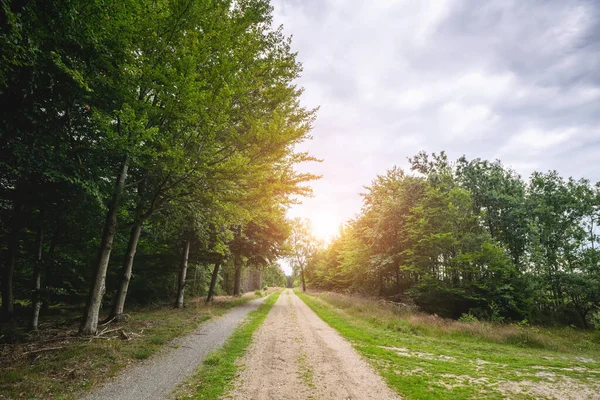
{"x": 107, "y": 322}
{"x": 104, "y": 332}
{"x": 89, "y": 339}
{"x": 45, "y": 349}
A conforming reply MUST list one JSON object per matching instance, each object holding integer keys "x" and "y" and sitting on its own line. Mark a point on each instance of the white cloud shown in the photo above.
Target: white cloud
{"x": 501, "y": 78}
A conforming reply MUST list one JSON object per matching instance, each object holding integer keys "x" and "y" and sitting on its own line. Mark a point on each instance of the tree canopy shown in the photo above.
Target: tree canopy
{"x": 472, "y": 236}
{"x": 139, "y": 137}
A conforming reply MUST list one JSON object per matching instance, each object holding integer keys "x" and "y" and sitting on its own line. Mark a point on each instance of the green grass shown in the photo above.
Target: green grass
{"x": 79, "y": 364}
{"x": 426, "y": 357}
{"x": 214, "y": 378}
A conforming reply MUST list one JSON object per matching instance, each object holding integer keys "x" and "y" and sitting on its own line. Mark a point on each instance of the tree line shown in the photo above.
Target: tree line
{"x": 145, "y": 144}
{"x": 472, "y": 237}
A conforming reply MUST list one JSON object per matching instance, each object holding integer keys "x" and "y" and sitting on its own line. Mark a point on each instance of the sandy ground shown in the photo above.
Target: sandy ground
{"x": 156, "y": 377}
{"x": 295, "y": 355}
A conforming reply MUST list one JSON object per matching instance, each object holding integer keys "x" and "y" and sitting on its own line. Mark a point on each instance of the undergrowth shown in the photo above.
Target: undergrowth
{"x": 54, "y": 363}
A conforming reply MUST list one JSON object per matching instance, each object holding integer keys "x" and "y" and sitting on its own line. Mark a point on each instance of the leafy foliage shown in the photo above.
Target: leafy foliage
{"x": 472, "y": 238}
{"x": 180, "y": 117}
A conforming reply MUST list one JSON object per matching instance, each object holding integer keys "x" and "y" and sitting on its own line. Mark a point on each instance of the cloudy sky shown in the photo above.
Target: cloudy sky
{"x": 517, "y": 80}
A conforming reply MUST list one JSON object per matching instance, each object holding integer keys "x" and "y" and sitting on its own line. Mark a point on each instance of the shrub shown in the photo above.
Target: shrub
{"x": 495, "y": 311}
{"x": 266, "y": 288}
{"x": 258, "y": 293}
{"x": 468, "y": 318}
{"x": 596, "y": 320}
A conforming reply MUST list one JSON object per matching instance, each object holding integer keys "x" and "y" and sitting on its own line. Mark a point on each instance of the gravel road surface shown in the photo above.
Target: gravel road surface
{"x": 156, "y": 377}
{"x": 295, "y": 355}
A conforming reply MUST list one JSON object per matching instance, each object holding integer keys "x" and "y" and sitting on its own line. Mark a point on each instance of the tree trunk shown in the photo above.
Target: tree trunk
{"x": 116, "y": 312}
{"x": 36, "y": 301}
{"x": 89, "y": 324}
{"x": 226, "y": 283}
{"x": 9, "y": 268}
{"x": 237, "y": 283}
{"x": 213, "y": 282}
{"x": 260, "y": 285}
{"x": 303, "y": 281}
{"x": 194, "y": 290}
{"x": 182, "y": 273}
{"x": 46, "y": 270}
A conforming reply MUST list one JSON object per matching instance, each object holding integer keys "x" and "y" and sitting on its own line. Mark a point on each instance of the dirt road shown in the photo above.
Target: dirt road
{"x": 295, "y": 355}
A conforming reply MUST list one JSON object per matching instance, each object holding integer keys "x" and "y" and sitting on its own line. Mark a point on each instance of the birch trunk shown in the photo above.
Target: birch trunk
{"x": 182, "y": 274}
{"x": 36, "y": 300}
{"x": 116, "y": 312}
{"x": 89, "y": 324}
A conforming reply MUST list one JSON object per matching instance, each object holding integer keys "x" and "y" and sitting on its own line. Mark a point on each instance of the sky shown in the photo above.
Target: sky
{"x": 515, "y": 80}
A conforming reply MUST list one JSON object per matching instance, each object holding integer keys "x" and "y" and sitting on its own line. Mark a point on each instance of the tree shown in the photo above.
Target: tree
{"x": 302, "y": 247}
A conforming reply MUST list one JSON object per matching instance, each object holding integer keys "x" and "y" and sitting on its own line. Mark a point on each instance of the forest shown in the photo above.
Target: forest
{"x": 154, "y": 152}
{"x": 472, "y": 240}
{"x": 147, "y": 153}
{"x": 148, "y": 147}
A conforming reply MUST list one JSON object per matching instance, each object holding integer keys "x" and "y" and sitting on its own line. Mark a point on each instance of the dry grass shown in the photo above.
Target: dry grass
{"x": 406, "y": 318}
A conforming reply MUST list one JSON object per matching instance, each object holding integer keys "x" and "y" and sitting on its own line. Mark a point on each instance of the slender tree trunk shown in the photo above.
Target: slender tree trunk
{"x": 194, "y": 291}
{"x": 46, "y": 270}
{"x": 213, "y": 282}
{"x": 116, "y": 312}
{"x": 583, "y": 315}
{"x": 89, "y": 324}
{"x": 226, "y": 283}
{"x": 36, "y": 300}
{"x": 237, "y": 283}
{"x": 182, "y": 273}
{"x": 303, "y": 281}
{"x": 260, "y": 285}
{"x": 9, "y": 268}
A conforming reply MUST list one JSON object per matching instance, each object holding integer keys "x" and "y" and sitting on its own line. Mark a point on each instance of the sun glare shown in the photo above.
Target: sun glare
{"x": 324, "y": 227}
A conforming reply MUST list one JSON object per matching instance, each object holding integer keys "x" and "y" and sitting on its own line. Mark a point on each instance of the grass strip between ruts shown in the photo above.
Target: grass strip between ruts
{"x": 219, "y": 368}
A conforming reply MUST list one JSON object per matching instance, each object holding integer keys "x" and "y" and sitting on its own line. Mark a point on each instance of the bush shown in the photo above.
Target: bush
{"x": 596, "y": 320}
{"x": 258, "y": 293}
{"x": 495, "y": 312}
{"x": 468, "y": 318}
{"x": 266, "y": 288}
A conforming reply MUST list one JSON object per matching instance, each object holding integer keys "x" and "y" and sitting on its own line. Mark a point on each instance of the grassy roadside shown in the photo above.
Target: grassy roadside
{"x": 57, "y": 364}
{"x": 425, "y": 357}
{"x": 214, "y": 378}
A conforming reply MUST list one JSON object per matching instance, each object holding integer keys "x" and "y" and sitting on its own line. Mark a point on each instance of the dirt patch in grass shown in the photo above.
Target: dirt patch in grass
{"x": 562, "y": 388}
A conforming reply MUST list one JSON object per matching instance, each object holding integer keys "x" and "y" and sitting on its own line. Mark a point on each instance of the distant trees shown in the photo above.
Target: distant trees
{"x": 472, "y": 236}
{"x": 144, "y": 135}
{"x": 302, "y": 248}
